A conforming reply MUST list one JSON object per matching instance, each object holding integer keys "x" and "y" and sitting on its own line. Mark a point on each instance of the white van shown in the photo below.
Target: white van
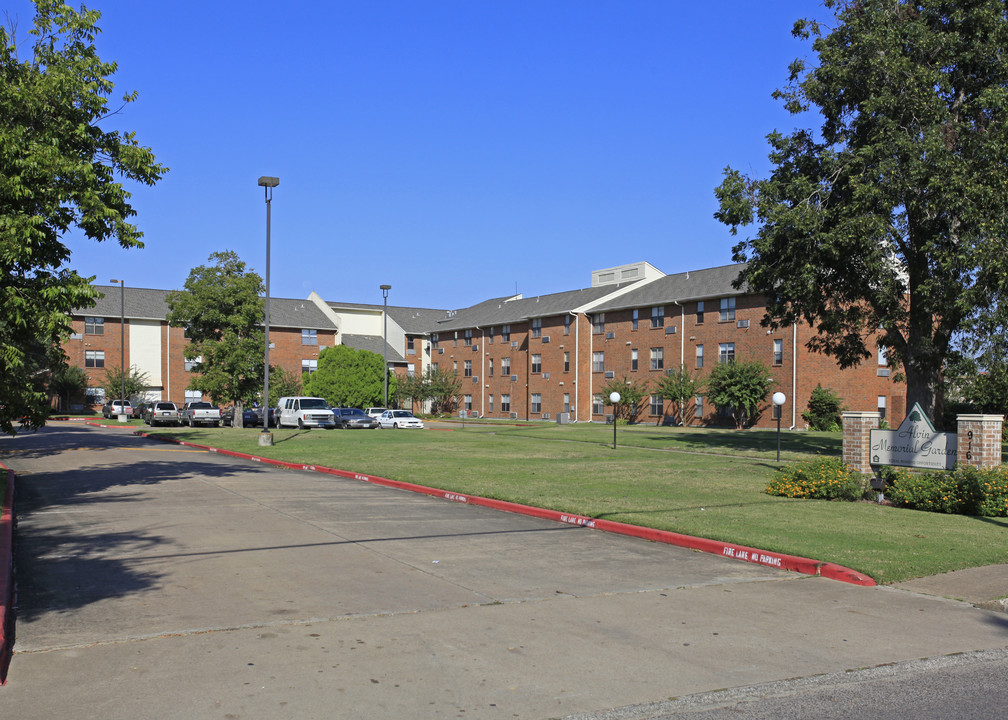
{"x": 305, "y": 412}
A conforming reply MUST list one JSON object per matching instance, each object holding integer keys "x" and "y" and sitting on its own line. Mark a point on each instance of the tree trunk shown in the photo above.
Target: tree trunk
{"x": 239, "y": 419}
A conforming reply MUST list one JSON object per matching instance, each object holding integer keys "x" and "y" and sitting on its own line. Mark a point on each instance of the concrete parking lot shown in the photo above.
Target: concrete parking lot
{"x": 160, "y": 581}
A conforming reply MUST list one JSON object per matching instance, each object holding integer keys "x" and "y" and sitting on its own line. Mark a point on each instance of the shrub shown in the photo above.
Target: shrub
{"x": 820, "y": 479}
{"x": 965, "y": 490}
{"x": 824, "y": 408}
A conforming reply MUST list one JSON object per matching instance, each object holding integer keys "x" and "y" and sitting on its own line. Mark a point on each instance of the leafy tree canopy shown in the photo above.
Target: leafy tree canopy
{"x": 349, "y": 378}
{"x": 891, "y": 218}
{"x": 680, "y": 386}
{"x": 59, "y": 170}
{"x": 134, "y": 383}
{"x": 222, "y": 310}
{"x": 741, "y": 386}
{"x": 824, "y": 408}
{"x": 631, "y": 396}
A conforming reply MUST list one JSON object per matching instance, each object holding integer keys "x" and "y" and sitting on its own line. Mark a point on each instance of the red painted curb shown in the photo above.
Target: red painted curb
{"x": 7, "y": 577}
{"x": 744, "y": 553}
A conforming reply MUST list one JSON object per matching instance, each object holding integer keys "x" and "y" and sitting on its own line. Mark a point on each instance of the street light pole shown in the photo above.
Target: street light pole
{"x": 779, "y": 399}
{"x": 268, "y": 183}
{"x": 385, "y": 289}
{"x": 122, "y": 344}
{"x": 615, "y": 397}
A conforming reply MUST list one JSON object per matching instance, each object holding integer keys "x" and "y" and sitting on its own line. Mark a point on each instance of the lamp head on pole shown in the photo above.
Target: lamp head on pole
{"x": 615, "y": 397}
{"x": 385, "y": 289}
{"x": 267, "y": 181}
{"x": 779, "y": 398}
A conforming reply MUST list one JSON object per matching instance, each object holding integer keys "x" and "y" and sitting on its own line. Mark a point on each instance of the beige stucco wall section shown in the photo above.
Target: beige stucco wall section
{"x": 145, "y": 349}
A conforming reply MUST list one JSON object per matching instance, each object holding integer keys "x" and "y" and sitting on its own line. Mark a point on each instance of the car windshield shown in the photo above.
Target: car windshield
{"x": 353, "y": 411}
{"x": 314, "y": 404}
{"x": 403, "y": 413}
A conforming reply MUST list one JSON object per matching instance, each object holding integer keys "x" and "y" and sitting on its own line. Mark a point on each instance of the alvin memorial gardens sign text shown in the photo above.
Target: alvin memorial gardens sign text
{"x": 914, "y": 444}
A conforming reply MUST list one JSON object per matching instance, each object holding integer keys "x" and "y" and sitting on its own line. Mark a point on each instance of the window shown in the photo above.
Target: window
{"x": 566, "y": 403}
{"x": 566, "y": 361}
{"x": 490, "y": 367}
{"x": 434, "y": 341}
{"x": 190, "y": 365}
{"x": 882, "y": 406}
{"x": 778, "y": 352}
{"x": 468, "y": 336}
{"x": 776, "y": 412}
{"x": 434, "y": 366}
{"x": 699, "y": 312}
{"x": 411, "y": 370}
{"x": 598, "y": 362}
{"x": 193, "y": 396}
{"x": 635, "y": 319}
{"x": 490, "y": 334}
{"x": 467, "y": 370}
{"x": 309, "y": 366}
{"x": 94, "y": 358}
{"x": 726, "y": 353}
{"x": 506, "y": 333}
{"x": 597, "y": 405}
{"x": 505, "y": 366}
{"x": 882, "y": 356}
{"x": 536, "y": 327}
{"x": 309, "y": 337}
{"x": 699, "y": 407}
{"x": 657, "y": 358}
{"x": 567, "y": 322}
{"x": 95, "y": 396}
{"x": 94, "y": 326}
{"x": 699, "y": 356}
{"x": 657, "y": 405}
{"x": 468, "y": 403}
{"x": 598, "y": 323}
{"x": 727, "y": 309}
{"x": 537, "y": 402}
{"x": 410, "y": 347}
{"x": 633, "y": 359}
{"x": 455, "y": 366}
{"x": 658, "y": 316}
{"x": 537, "y": 363}
{"x": 506, "y": 403}
{"x": 490, "y": 403}
{"x": 455, "y": 339}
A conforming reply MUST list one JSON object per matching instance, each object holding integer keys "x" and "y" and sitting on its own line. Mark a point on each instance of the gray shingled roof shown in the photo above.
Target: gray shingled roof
{"x": 374, "y": 344}
{"x": 502, "y": 310}
{"x": 692, "y": 285}
{"x": 147, "y": 304}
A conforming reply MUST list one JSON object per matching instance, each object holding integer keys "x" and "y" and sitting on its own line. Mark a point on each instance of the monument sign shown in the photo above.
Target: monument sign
{"x": 914, "y": 444}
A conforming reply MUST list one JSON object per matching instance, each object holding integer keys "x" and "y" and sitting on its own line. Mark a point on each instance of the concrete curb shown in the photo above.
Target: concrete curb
{"x": 744, "y": 553}
{"x": 6, "y": 576}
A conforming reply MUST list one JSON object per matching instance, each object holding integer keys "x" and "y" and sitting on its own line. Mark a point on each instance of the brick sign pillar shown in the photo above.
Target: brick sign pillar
{"x": 979, "y": 440}
{"x": 857, "y": 427}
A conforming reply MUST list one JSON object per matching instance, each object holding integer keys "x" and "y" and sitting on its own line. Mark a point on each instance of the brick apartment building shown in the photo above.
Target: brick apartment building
{"x": 528, "y": 358}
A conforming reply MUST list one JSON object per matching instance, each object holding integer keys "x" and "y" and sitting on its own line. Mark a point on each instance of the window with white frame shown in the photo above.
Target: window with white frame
{"x": 410, "y": 346}
{"x": 309, "y": 336}
{"x": 434, "y": 341}
{"x": 566, "y": 402}
{"x": 778, "y": 352}
{"x": 598, "y": 407}
{"x": 598, "y": 361}
{"x": 598, "y": 323}
{"x": 467, "y": 368}
{"x": 698, "y": 408}
{"x": 309, "y": 366}
{"x": 506, "y": 402}
{"x": 490, "y": 403}
{"x": 633, "y": 359}
{"x": 726, "y": 352}
{"x": 567, "y": 324}
{"x": 94, "y": 326}
{"x": 95, "y": 396}
{"x": 699, "y": 312}
{"x": 506, "y": 333}
{"x": 468, "y": 336}
{"x": 536, "y": 327}
{"x": 411, "y": 370}
{"x": 635, "y": 319}
{"x": 490, "y": 367}
{"x": 775, "y": 413}
{"x": 94, "y": 358}
{"x": 193, "y": 396}
{"x": 658, "y": 316}
{"x": 190, "y": 365}
{"x": 656, "y": 406}
{"x": 882, "y": 406}
{"x": 536, "y": 363}
{"x": 536, "y": 402}
{"x": 505, "y": 366}
{"x": 727, "y": 309}
{"x": 468, "y": 403}
{"x": 657, "y": 358}
{"x": 883, "y": 358}
{"x": 455, "y": 366}
{"x": 699, "y": 356}
{"x": 566, "y": 361}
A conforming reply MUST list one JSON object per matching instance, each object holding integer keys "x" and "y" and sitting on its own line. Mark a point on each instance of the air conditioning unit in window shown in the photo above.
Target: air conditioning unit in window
{"x": 545, "y": 338}
{"x": 545, "y": 416}
{"x": 514, "y": 416}
{"x": 742, "y": 324}
{"x": 610, "y": 374}
{"x": 475, "y": 378}
{"x": 514, "y": 378}
{"x": 440, "y": 351}
{"x": 610, "y": 336}
{"x": 475, "y": 348}
{"x": 670, "y": 330}
{"x": 514, "y": 343}
{"x": 546, "y": 376}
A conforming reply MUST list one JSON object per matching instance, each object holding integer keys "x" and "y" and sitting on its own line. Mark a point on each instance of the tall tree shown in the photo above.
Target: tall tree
{"x": 742, "y": 387}
{"x": 222, "y": 311}
{"x": 134, "y": 383}
{"x": 58, "y": 171}
{"x": 888, "y": 225}
{"x": 66, "y": 382}
{"x": 631, "y": 396}
{"x": 348, "y": 378}
{"x": 680, "y": 386}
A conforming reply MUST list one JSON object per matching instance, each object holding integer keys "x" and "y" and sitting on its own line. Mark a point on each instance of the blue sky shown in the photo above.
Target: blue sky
{"x": 455, "y": 149}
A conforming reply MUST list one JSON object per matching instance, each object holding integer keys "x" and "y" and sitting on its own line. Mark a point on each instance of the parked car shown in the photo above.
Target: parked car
{"x": 399, "y": 419}
{"x": 305, "y": 412}
{"x": 114, "y": 408}
{"x": 140, "y": 409}
{"x": 200, "y": 413}
{"x": 273, "y": 415}
{"x": 250, "y": 418}
{"x": 162, "y": 413}
{"x": 350, "y": 418}
{"x": 374, "y": 412}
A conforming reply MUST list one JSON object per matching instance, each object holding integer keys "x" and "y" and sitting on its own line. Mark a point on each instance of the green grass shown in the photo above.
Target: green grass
{"x": 707, "y": 483}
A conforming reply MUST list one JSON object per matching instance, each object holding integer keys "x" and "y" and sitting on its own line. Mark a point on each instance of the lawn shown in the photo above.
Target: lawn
{"x": 707, "y": 483}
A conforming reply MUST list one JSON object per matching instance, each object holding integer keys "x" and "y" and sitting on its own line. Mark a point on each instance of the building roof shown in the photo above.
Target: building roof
{"x": 373, "y": 343}
{"x": 414, "y": 321}
{"x": 148, "y": 304}
{"x": 692, "y": 285}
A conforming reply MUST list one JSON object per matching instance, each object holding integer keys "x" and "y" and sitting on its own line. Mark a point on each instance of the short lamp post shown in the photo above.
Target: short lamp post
{"x": 122, "y": 348}
{"x": 385, "y": 289}
{"x": 266, "y": 437}
{"x": 614, "y": 397}
{"x": 779, "y": 399}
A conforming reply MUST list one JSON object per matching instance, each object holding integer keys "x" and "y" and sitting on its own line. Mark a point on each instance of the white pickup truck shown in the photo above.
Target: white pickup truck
{"x": 200, "y": 413}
